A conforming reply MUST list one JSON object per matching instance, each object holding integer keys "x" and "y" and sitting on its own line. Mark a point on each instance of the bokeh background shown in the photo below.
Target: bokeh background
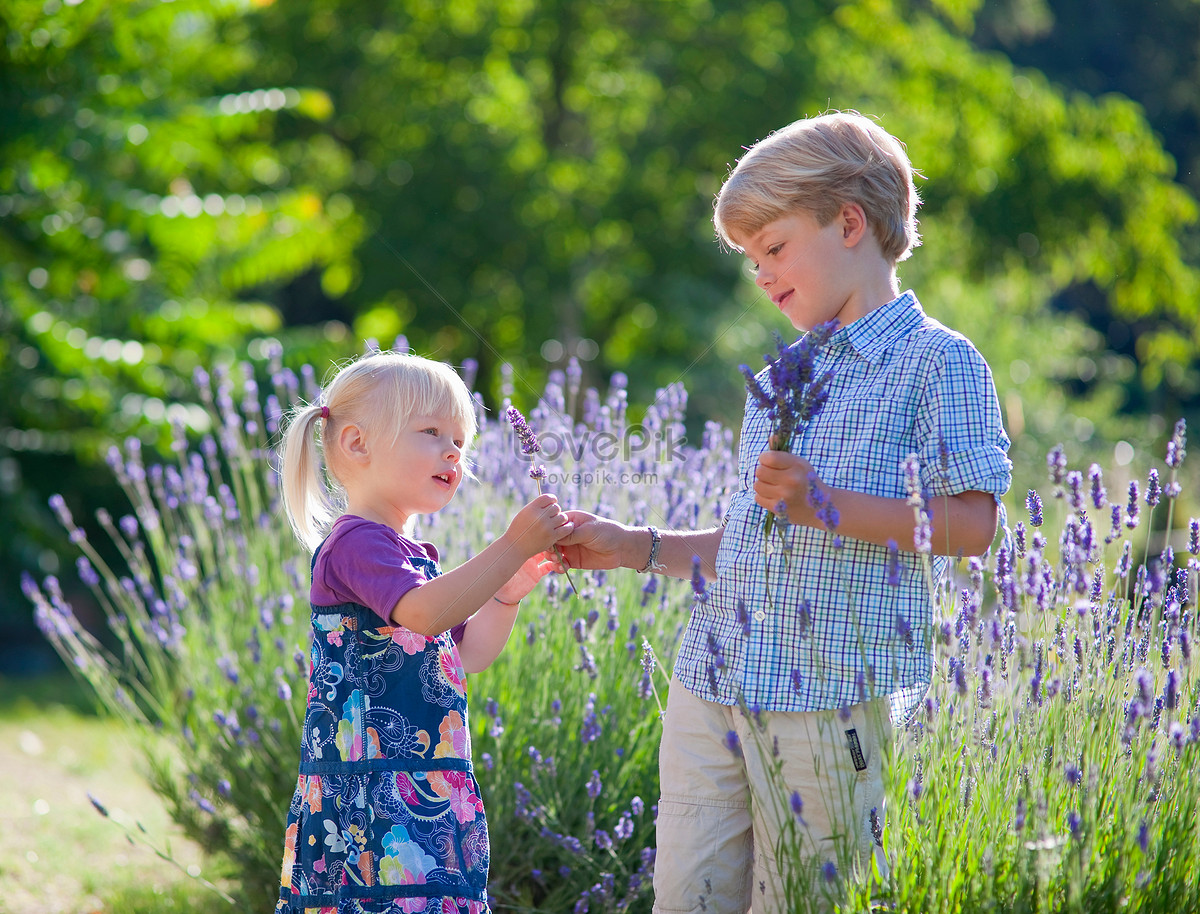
{"x": 521, "y": 182}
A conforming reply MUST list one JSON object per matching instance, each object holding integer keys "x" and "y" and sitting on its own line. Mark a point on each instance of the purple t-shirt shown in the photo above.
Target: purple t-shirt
{"x": 369, "y": 563}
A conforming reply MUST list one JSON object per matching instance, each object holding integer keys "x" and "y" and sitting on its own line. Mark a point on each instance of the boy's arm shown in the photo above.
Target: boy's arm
{"x": 598, "y": 542}
{"x": 962, "y": 524}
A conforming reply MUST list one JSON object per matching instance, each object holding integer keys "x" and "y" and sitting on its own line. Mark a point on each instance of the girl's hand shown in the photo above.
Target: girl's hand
{"x": 538, "y": 526}
{"x": 536, "y": 567}
{"x": 783, "y": 476}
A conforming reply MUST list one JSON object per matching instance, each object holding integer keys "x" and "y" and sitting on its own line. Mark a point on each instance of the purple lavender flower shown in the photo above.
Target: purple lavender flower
{"x": 923, "y": 534}
{"x": 1171, "y": 691}
{"x": 893, "y": 564}
{"x": 525, "y": 435}
{"x": 1075, "y": 490}
{"x": 1153, "y": 490}
{"x": 1194, "y": 536}
{"x": 1074, "y": 823}
{"x": 760, "y": 397}
{"x": 803, "y": 617}
{"x": 797, "y": 805}
{"x": 698, "y": 583}
{"x": 790, "y": 390}
{"x": 732, "y": 743}
{"x": 1177, "y": 446}
{"x": 1114, "y": 533}
{"x": 529, "y": 447}
{"x": 1098, "y": 492}
{"x": 1131, "y": 510}
{"x": 1056, "y": 463}
{"x": 915, "y": 787}
{"x": 829, "y": 872}
{"x": 827, "y": 514}
{"x": 594, "y": 785}
{"x": 1177, "y": 734}
{"x": 743, "y": 617}
{"x": 1033, "y": 502}
{"x": 911, "y": 468}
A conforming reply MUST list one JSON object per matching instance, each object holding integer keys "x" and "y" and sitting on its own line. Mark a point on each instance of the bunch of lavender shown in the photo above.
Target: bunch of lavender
{"x": 793, "y": 392}
{"x": 529, "y": 447}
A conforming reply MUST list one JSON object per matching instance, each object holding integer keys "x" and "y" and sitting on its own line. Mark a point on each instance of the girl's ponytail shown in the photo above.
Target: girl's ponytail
{"x": 305, "y": 496}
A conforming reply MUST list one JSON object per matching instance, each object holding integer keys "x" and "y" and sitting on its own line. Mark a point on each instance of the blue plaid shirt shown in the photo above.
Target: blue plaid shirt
{"x": 807, "y": 626}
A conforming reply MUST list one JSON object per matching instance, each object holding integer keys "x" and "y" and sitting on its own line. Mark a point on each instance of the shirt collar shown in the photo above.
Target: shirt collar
{"x": 871, "y": 334}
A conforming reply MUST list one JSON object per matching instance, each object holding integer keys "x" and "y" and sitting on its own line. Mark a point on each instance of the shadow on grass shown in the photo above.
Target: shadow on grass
{"x": 23, "y": 696}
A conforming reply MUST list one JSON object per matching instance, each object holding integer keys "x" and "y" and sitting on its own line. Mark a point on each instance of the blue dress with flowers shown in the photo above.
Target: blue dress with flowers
{"x": 386, "y": 815}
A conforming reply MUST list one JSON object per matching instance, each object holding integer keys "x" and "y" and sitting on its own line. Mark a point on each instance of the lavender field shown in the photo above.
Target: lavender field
{"x": 1046, "y": 769}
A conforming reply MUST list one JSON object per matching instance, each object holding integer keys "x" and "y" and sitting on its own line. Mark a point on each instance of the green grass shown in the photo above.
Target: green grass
{"x": 58, "y": 855}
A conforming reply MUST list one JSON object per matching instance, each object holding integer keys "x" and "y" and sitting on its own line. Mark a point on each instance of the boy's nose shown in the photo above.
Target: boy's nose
{"x": 763, "y": 279}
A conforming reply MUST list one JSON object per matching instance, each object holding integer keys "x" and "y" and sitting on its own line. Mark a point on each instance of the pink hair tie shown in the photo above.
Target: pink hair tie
{"x": 324, "y": 412}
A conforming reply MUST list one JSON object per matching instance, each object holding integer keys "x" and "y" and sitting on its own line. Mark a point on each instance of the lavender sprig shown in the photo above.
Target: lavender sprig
{"x": 793, "y": 392}
{"x": 529, "y": 447}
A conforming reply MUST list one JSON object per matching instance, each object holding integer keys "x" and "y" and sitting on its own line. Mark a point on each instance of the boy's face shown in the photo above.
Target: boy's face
{"x": 809, "y": 270}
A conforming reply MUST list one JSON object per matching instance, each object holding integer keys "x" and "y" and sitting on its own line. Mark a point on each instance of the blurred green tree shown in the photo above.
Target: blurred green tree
{"x": 148, "y": 206}
{"x": 527, "y": 182}
{"x": 538, "y": 176}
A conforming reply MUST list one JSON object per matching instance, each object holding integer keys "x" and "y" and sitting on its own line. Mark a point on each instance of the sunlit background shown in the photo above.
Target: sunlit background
{"x": 183, "y": 183}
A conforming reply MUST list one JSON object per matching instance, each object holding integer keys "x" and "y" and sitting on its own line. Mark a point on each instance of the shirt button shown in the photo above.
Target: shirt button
{"x": 759, "y": 615}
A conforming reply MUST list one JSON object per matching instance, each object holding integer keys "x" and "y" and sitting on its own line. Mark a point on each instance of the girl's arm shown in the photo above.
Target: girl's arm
{"x": 962, "y": 524}
{"x": 455, "y": 596}
{"x": 488, "y": 630}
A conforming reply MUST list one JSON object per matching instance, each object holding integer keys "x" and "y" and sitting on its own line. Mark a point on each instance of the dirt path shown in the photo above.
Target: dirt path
{"x": 58, "y": 855}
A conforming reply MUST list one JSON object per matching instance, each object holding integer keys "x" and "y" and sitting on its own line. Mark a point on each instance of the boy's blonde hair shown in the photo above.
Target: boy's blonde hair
{"x": 817, "y": 165}
{"x": 379, "y": 393}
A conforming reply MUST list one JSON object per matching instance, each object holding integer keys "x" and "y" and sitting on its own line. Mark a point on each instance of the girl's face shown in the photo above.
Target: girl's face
{"x": 418, "y": 473}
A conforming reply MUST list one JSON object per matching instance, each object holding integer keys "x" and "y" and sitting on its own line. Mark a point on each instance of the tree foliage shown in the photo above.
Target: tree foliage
{"x": 147, "y": 198}
{"x": 503, "y": 179}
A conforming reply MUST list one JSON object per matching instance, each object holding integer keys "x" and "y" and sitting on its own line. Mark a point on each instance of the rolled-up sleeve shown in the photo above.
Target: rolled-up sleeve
{"x": 965, "y": 447}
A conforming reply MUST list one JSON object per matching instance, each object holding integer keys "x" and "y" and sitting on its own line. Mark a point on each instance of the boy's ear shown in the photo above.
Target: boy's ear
{"x": 853, "y": 220}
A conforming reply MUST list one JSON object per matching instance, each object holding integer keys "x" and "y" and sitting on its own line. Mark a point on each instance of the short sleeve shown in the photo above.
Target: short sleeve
{"x": 367, "y": 563}
{"x": 964, "y": 445}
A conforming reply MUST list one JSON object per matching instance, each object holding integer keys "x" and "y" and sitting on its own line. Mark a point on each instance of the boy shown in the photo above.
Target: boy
{"x": 814, "y": 639}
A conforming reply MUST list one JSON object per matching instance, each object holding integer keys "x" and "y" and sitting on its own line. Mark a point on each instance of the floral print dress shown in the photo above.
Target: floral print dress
{"x": 386, "y": 816}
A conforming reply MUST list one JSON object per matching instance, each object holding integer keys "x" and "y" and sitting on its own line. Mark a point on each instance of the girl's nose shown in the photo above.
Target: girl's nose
{"x": 763, "y": 279}
{"x": 453, "y": 452}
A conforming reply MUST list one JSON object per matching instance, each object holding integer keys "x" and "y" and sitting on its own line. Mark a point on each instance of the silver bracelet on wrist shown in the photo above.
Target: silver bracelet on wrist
{"x": 652, "y": 563}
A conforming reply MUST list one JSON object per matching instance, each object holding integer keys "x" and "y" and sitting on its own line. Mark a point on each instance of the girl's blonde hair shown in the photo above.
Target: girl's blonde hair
{"x": 378, "y": 393}
{"x": 817, "y": 165}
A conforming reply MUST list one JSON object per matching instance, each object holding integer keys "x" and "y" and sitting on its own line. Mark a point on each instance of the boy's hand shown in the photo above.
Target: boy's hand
{"x": 538, "y": 526}
{"x": 783, "y": 476}
{"x": 595, "y": 542}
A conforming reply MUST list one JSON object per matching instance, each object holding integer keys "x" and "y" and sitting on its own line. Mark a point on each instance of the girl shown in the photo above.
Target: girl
{"x": 386, "y": 815}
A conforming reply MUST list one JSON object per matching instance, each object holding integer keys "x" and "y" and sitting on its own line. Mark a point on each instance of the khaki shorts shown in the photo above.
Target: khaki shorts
{"x": 720, "y": 828}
